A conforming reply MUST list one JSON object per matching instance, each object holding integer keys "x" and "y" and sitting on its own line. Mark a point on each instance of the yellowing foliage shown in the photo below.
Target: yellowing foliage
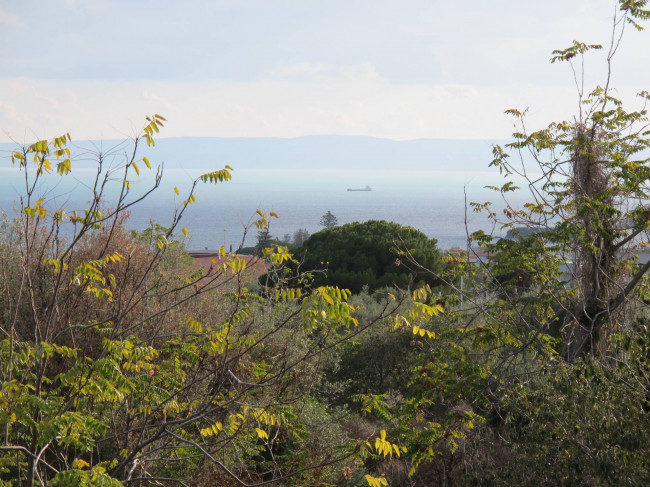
{"x": 376, "y": 481}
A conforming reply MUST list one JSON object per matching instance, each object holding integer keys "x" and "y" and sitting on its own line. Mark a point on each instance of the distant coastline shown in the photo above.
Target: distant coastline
{"x": 412, "y": 183}
{"x": 314, "y": 152}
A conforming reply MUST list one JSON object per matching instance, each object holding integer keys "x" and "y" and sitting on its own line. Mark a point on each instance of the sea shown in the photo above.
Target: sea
{"x": 438, "y": 203}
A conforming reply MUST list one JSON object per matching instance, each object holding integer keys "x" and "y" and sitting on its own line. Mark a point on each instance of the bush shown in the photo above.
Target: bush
{"x": 376, "y": 254}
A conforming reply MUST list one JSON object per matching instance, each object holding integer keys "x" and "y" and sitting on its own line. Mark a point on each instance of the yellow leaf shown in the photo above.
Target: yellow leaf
{"x": 175, "y": 190}
{"x": 185, "y": 232}
{"x": 80, "y": 464}
{"x": 146, "y": 162}
{"x": 375, "y": 481}
{"x": 262, "y": 434}
{"x": 137, "y": 170}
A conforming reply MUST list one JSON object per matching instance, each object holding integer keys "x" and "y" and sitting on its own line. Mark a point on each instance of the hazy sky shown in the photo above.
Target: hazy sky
{"x": 252, "y": 68}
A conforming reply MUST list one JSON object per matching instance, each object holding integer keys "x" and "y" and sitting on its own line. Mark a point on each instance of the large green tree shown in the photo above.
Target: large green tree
{"x": 372, "y": 253}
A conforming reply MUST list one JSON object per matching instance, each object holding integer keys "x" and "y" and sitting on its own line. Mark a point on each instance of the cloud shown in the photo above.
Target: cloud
{"x": 168, "y": 107}
{"x": 10, "y": 19}
{"x": 324, "y": 72}
{"x": 300, "y": 100}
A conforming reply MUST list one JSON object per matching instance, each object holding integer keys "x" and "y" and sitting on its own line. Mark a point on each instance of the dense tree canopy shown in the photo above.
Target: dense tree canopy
{"x": 370, "y": 253}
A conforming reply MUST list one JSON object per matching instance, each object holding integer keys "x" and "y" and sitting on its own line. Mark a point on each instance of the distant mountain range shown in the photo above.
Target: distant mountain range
{"x": 333, "y": 152}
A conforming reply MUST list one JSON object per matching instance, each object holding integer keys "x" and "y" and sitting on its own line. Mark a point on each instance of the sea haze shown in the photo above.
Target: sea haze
{"x": 299, "y": 179}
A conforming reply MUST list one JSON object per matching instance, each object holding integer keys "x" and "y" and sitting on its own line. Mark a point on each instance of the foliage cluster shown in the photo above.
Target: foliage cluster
{"x": 373, "y": 253}
{"x": 122, "y": 364}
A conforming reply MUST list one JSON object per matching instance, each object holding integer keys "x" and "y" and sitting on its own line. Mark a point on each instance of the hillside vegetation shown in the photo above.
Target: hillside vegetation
{"x": 364, "y": 358}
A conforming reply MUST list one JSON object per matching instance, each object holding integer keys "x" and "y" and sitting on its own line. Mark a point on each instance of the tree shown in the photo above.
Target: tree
{"x": 369, "y": 254}
{"x": 299, "y": 237}
{"x": 588, "y": 208}
{"x": 589, "y": 216}
{"x": 120, "y": 365}
{"x": 328, "y": 220}
{"x": 263, "y": 240}
{"x": 543, "y": 366}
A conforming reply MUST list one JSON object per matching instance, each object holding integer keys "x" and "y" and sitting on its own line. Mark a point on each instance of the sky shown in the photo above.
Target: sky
{"x": 398, "y": 69}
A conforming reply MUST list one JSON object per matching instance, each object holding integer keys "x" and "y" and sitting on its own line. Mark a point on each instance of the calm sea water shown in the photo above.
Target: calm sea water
{"x": 437, "y": 203}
